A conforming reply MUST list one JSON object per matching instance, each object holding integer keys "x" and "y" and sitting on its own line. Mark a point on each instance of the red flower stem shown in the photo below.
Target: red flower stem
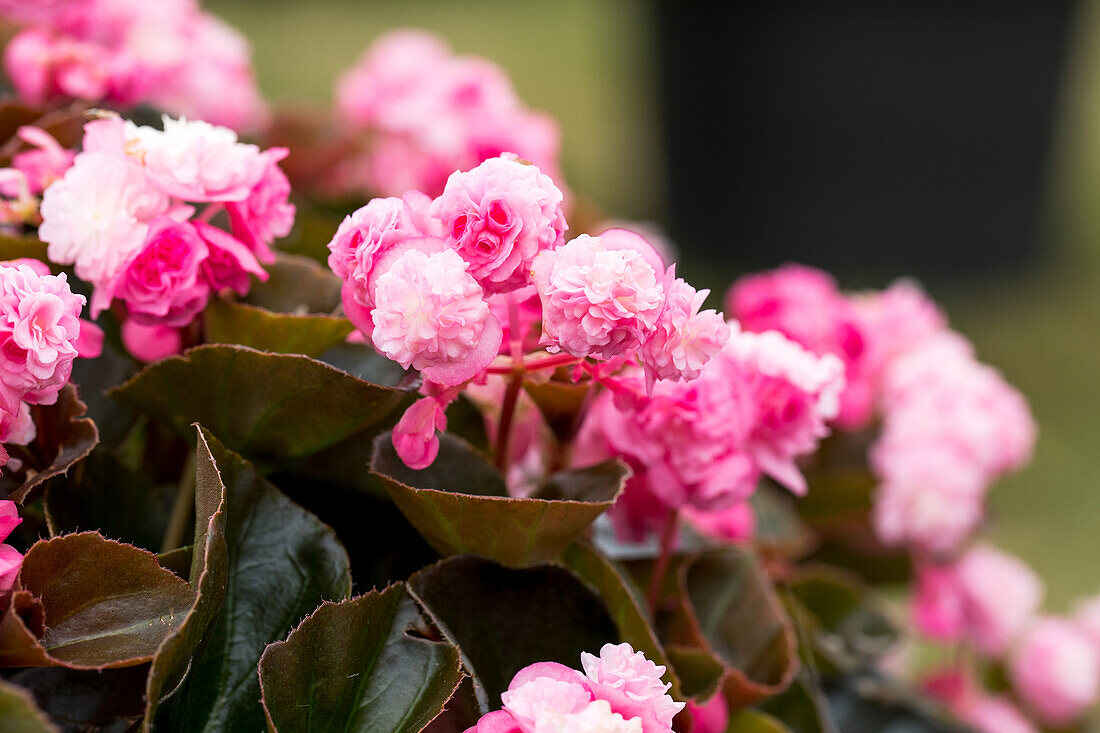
{"x": 555, "y": 361}
{"x": 668, "y": 534}
{"x": 511, "y": 393}
{"x": 210, "y": 212}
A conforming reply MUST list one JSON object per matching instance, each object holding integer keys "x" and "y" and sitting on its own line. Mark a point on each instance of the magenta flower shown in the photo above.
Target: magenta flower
{"x": 230, "y": 264}
{"x": 150, "y": 343}
{"x": 266, "y": 214}
{"x": 163, "y": 282}
{"x": 415, "y": 436}
{"x": 10, "y": 558}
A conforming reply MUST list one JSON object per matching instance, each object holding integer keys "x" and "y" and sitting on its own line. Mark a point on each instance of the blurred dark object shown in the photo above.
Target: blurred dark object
{"x": 861, "y": 136}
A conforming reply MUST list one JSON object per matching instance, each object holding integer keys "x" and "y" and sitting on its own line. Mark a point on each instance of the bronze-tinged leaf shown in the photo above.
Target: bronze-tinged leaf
{"x": 297, "y": 285}
{"x": 373, "y": 664}
{"x": 270, "y": 408}
{"x": 727, "y": 607}
{"x": 699, "y": 671}
{"x": 226, "y": 322}
{"x": 19, "y": 714}
{"x": 503, "y": 618}
{"x": 65, "y": 436}
{"x": 104, "y": 604}
{"x": 209, "y": 571}
{"x": 459, "y": 504}
{"x": 283, "y": 563}
{"x": 88, "y": 700}
{"x": 560, "y": 403}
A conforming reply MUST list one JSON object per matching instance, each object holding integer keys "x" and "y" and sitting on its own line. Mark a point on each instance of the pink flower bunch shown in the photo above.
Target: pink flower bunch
{"x": 169, "y": 54}
{"x": 10, "y": 558}
{"x": 428, "y": 113}
{"x": 445, "y": 286}
{"x": 120, "y": 215}
{"x": 620, "y": 691}
{"x": 703, "y": 444}
{"x": 951, "y": 427}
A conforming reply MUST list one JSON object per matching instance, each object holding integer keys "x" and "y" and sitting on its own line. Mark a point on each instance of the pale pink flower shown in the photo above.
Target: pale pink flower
{"x": 415, "y": 437}
{"x": 197, "y": 161}
{"x": 162, "y": 283}
{"x": 994, "y": 714}
{"x": 16, "y": 429}
{"x": 498, "y": 216}
{"x": 736, "y": 523}
{"x": 596, "y": 302}
{"x": 430, "y": 314}
{"x": 98, "y": 215}
{"x": 632, "y": 685}
{"x": 150, "y": 343}
{"x": 44, "y": 163}
{"x": 530, "y": 704}
{"x": 1055, "y": 671}
{"x": 10, "y": 558}
{"x": 685, "y": 338}
{"x": 267, "y": 213}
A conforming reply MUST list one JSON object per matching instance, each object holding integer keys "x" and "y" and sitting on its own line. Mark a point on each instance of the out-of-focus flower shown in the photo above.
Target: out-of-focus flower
{"x": 10, "y": 558}
{"x": 711, "y": 716}
{"x": 266, "y": 214}
{"x": 1055, "y": 671}
{"x": 44, "y": 163}
{"x": 150, "y": 343}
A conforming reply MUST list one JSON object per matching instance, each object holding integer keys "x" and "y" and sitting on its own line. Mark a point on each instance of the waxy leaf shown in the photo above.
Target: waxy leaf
{"x": 86, "y": 700}
{"x": 226, "y": 322}
{"x": 504, "y": 619}
{"x": 103, "y": 604}
{"x": 374, "y": 663}
{"x": 459, "y": 504}
{"x": 298, "y": 285}
{"x": 209, "y": 570}
{"x": 283, "y": 563}
{"x": 65, "y": 436}
{"x": 728, "y": 609}
{"x": 18, "y": 713}
{"x": 267, "y": 407}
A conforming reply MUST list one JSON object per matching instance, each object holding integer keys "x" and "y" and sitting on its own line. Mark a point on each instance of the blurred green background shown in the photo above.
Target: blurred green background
{"x": 591, "y": 64}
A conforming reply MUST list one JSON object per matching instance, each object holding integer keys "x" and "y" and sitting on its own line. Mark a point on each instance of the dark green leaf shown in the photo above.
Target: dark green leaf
{"x": 65, "y": 436}
{"x": 871, "y": 704}
{"x": 802, "y": 707}
{"x": 360, "y": 360}
{"x": 754, "y": 721}
{"x": 104, "y": 604}
{"x": 209, "y": 571}
{"x": 267, "y": 407}
{"x": 283, "y": 563}
{"x": 504, "y": 619}
{"x": 86, "y": 700}
{"x": 93, "y": 377}
{"x": 18, "y": 713}
{"x": 453, "y": 501}
{"x": 373, "y": 663}
{"x": 285, "y": 333}
{"x": 298, "y": 285}
{"x": 700, "y": 672}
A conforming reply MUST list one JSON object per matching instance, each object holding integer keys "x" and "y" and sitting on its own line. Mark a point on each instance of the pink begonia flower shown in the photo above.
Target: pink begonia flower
{"x": 44, "y": 163}
{"x": 711, "y": 716}
{"x": 230, "y": 264}
{"x": 529, "y": 315}
{"x": 415, "y": 437}
{"x": 596, "y": 302}
{"x": 267, "y": 213}
{"x": 17, "y": 429}
{"x": 991, "y": 714}
{"x": 431, "y": 315}
{"x": 987, "y": 597}
{"x": 10, "y": 558}
{"x": 196, "y": 161}
{"x": 89, "y": 344}
{"x": 39, "y": 325}
{"x": 498, "y": 216}
{"x": 150, "y": 343}
{"x": 736, "y": 523}
{"x": 98, "y": 215}
{"x": 162, "y": 284}
{"x": 632, "y": 685}
{"x": 1055, "y": 671}
{"x": 795, "y": 394}
{"x": 685, "y": 338}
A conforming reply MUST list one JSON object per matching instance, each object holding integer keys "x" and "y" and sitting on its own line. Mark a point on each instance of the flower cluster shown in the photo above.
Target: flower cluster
{"x": 120, "y": 215}
{"x": 620, "y": 691}
{"x": 10, "y": 558}
{"x": 427, "y": 113}
{"x": 168, "y": 54}
{"x": 435, "y": 283}
{"x": 703, "y": 444}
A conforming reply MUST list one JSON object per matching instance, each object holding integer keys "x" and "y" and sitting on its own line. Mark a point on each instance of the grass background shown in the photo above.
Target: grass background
{"x": 590, "y": 64}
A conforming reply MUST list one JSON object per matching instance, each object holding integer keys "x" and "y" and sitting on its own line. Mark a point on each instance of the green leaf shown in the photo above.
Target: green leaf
{"x": 374, "y": 663}
{"x": 297, "y": 285}
{"x": 226, "y": 322}
{"x": 728, "y": 609}
{"x": 560, "y": 403}
{"x": 17, "y": 248}
{"x": 84, "y": 700}
{"x": 868, "y": 703}
{"x": 101, "y": 493}
{"x": 65, "y": 436}
{"x": 504, "y": 619}
{"x": 802, "y": 707}
{"x": 360, "y": 360}
{"x": 453, "y": 501}
{"x": 209, "y": 572}
{"x": 268, "y": 407}
{"x": 93, "y": 377}
{"x": 625, "y": 604}
{"x": 700, "y": 672}
{"x": 19, "y": 714}
{"x": 754, "y": 721}
{"x": 103, "y": 604}
{"x": 283, "y": 563}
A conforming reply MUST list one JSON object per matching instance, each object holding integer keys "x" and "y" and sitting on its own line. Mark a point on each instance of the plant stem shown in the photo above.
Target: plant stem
{"x": 180, "y": 518}
{"x": 557, "y": 360}
{"x": 668, "y": 534}
{"x": 507, "y": 412}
